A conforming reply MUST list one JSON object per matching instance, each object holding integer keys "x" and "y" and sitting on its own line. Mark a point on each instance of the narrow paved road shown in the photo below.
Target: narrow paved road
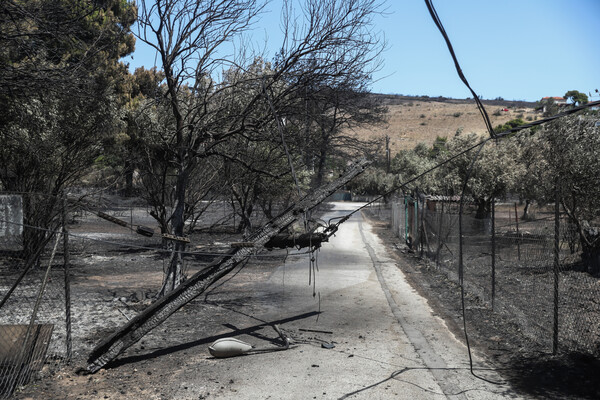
{"x": 388, "y": 342}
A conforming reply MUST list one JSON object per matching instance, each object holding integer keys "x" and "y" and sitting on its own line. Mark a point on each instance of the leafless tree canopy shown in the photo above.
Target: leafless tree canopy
{"x": 220, "y": 98}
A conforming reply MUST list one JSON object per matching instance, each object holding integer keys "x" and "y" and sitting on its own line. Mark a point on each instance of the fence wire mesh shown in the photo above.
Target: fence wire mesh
{"x": 112, "y": 273}
{"x": 508, "y": 266}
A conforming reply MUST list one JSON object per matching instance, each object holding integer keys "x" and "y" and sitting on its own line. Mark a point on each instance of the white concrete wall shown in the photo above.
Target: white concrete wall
{"x": 11, "y": 216}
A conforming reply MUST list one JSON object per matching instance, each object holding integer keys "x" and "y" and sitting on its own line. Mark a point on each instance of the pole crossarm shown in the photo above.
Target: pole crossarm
{"x": 164, "y": 307}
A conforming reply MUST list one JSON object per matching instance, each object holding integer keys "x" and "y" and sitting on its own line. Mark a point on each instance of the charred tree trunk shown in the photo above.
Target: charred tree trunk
{"x": 590, "y": 245}
{"x": 160, "y": 310}
{"x": 321, "y": 163}
{"x": 245, "y": 225}
{"x": 525, "y": 216}
{"x": 129, "y": 170}
{"x": 174, "y": 274}
{"x": 267, "y": 208}
{"x": 483, "y": 208}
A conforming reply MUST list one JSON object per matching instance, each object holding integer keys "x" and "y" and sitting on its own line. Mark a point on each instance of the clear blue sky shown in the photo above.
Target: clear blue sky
{"x": 514, "y": 49}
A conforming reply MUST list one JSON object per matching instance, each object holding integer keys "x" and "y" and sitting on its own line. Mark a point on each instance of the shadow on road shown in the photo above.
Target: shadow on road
{"x": 207, "y": 340}
{"x": 571, "y": 375}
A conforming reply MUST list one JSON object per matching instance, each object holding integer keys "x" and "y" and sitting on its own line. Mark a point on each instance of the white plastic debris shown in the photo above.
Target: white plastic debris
{"x": 229, "y": 347}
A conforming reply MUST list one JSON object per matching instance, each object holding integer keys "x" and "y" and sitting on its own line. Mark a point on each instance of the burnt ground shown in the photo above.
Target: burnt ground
{"x": 114, "y": 275}
{"x": 113, "y": 282}
{"x": 529, "y": 367}
{"x": 158, "y": 365}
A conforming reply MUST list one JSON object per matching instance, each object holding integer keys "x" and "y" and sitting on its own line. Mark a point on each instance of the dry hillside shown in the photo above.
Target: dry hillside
{"x": 417, "y": 119}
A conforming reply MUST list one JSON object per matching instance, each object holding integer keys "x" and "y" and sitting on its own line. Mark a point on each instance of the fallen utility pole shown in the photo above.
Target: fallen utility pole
{"x": 142, "y": 230}
{"x": 299, "y": 241}
{"x": 164, "y": 307}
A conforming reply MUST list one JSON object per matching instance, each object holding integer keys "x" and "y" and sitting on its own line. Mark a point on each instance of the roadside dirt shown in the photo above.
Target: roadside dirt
{"x": 529, "y": 369}
{"x": 157, "y": 366}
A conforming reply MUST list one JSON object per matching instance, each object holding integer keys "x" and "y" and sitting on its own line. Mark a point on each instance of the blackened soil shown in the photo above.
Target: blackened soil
{"x": 531, "y": 369}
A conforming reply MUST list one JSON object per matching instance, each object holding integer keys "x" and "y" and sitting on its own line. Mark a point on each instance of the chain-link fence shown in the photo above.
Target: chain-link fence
{"x": 106, "y": 266}
{"x": 509, "y": 265}
{"x": 34, "y": 336}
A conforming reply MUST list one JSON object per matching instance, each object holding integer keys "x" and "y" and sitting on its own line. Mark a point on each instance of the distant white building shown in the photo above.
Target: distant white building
{"x": 11, "y": 218}
{"x": 559, "y": 101}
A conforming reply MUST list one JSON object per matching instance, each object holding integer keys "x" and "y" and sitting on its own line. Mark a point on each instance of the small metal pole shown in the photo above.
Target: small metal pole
{"x": 422, "y": 233}
{"x": 518, "y": 236}
{"x": 66, "y": 262}
{"x": 493, "y": 252}
{"x": 460, "y": 246}
{"x": 439, "y": 233}
{"x": 22, "y": 361}
{"x": 405, "y": 218}
{"x": 556, "y": 266}
{"x": 416, "y": 219}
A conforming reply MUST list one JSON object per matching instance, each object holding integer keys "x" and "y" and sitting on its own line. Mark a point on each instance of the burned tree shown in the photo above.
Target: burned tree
{"x": 342, "y": 110}
{"x": 189, "y": 37}
{"x": 186, "y": 35}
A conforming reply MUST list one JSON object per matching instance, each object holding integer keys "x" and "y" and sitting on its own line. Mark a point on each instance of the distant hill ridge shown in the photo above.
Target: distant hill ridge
{"x": 421, "y": 119}
{"x": 395, "y": 99}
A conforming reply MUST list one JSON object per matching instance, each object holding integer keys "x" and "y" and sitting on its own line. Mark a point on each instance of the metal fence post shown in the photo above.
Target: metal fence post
{"x": 493, "y": 252}
{"x": 422, "y": 232}
{"x": 460, "y": 244}
{"x": 66, "y": 261}
{"x": 439, "y": 234}
{"x": 405, "y": 218}
{"x": 556, "y": 266}
{"x": 518, "y": 234}
{"x": 415, "y": 227}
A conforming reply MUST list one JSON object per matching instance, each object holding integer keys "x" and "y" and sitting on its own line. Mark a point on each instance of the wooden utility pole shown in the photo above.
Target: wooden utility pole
{"x": 164, "y": 307}
{"x": 388, "y": 156}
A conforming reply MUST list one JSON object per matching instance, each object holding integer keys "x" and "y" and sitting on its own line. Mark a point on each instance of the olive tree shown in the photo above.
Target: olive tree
{"x": 572, "y": 155}
{"x": 576, "y": 97}
{"x": 485, "y": 173}
{"x": 60, "y": 91}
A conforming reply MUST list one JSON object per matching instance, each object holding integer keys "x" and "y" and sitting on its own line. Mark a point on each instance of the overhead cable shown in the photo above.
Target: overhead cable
{"x": 438, "y": 23}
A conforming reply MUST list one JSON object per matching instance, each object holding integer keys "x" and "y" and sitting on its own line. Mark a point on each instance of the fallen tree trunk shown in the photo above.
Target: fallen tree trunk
{"x": 164, "y": 307}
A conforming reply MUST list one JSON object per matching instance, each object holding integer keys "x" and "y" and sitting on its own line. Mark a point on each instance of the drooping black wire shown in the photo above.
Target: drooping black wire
{"x": 438, "y": 23}
{"x": 488, "y": 124}
{"x": 461, "y": 265}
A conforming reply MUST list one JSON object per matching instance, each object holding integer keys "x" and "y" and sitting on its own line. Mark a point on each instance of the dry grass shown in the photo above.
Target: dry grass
{"x": 413, "y": 121}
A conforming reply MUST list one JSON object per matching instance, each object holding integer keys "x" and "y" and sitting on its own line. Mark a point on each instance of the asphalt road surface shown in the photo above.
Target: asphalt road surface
{"x": 388, "y": 343}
